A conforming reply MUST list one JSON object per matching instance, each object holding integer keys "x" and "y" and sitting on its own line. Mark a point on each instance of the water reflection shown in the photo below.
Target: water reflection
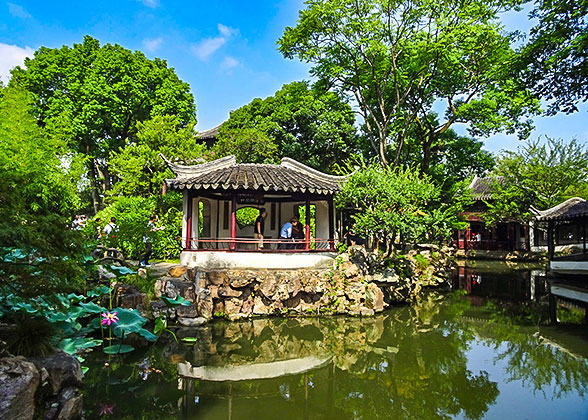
{"x": 443, "y": 358}
{"x": 507, "y": 281}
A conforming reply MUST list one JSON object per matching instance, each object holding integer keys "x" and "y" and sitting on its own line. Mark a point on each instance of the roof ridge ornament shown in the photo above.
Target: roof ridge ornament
{"x": 187, "y": 171}
{"x": 307, "y": 170}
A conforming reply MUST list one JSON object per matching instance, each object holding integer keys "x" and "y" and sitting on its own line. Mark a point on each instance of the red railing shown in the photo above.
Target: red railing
{"x": 251, "y": 244}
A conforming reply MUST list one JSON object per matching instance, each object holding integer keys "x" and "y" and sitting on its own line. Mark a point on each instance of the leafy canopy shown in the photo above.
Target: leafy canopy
{"x": 139, "y": 166}
{"x": 312, "y": 126}
{"x": 538, "y": 174}
{"x": 396, "y": 59}
{"x": 395, "y": 202}
{"x": 555, "y": 60}
{"x": 94, "y": 96}
{"x": 37, "y": 197}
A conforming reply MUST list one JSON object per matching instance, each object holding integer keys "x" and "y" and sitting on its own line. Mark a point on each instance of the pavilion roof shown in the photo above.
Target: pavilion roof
{"x": 289, "y": 176}
{"x": 570, "y": 209}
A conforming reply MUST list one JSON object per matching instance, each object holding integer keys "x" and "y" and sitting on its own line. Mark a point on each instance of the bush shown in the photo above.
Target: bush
{"x": 132, "y": 215}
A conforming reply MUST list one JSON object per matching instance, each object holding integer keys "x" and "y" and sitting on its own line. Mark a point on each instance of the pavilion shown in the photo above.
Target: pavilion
{"x": 219, "y": 195}
{"x": 566, "y": 226}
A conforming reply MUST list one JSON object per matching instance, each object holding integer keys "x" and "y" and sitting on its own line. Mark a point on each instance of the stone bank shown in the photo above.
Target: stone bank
{"x": 358, "y": 283}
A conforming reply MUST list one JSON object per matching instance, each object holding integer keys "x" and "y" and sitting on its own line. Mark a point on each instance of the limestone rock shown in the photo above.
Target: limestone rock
{"x": 191, "y": 322}
{"x": 204, "y": 304}
{"x": 350, "y": 270}
{"x": 228, "y": 292}
{"x": 218, "y": 278}
{"x": 243, "y": 279}
{"x": 177, "y": 271}
{"x": 187, "y": 311}
{"x": 142, "y": 272}
{"x": 232, "y": 307}
{"x": 185, "y": 289}
{"x": 374, "y": 298}
{"x": 19, "y": 380}
{"x": 71, "y": 403}
{"x": 268, "y": 286}
{"x": 259, "y": 307}
{"x": 63, "y": 369}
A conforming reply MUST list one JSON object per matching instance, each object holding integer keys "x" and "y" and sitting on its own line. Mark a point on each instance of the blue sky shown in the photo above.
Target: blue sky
{"x": 225, "y": 50}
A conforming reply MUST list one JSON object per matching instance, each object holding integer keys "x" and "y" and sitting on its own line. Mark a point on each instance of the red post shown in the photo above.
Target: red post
{"x": 307, "y": 228}
{"x": 189, "y": 222}
{"x": 234, "y": 223}
{"x": 331, "y": 224}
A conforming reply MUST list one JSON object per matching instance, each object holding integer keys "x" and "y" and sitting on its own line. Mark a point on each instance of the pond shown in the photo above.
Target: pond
{"x": 481, "y": 352}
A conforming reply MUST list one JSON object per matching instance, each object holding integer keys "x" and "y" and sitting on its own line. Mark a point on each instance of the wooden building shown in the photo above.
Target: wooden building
{"x": 563, "y": 228}
{"x": 216, "y": 192}
{"x": 507, "y": 235}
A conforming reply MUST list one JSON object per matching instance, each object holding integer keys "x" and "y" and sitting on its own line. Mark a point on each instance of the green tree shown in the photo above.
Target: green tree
{"x": 312, "y": 126}
{"x": 95, "y": 95}
{"x": 249, "y": 145}
{"x": 396, "y": 59}
{"x": 555, "y": 59}
{"x": 38, "y": 194}
{"x": 394, "y": 202}
{"x": 538, "y": 174}
{"x": 139, "y": 167}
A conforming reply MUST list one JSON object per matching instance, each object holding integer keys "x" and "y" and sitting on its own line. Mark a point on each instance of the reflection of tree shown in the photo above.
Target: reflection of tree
{"x": 132, "y": 386}
{"x": 531, "y": 358}
{"x": 409, "y": 363}
{"x": 426, "y": 378}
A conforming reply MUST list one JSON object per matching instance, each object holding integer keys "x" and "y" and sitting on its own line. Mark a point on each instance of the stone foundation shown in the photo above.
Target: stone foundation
{"x": 357, "y": 283}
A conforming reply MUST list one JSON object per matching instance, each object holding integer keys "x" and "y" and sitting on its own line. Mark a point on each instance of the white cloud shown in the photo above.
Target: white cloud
{"x": 226, "y": 31}
{"x": 11, "y": 56}
{"x": 152, "y": 45}
{"x": 229, "y": 63}
{"x": 208, "y": 46}
{"x": 18, "y": 11}
{"x": 151, "y": 3}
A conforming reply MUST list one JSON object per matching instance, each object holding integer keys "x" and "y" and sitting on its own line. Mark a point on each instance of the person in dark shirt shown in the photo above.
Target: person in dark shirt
{"x": 298, "y": 233}
{"x": 259, "y": 228}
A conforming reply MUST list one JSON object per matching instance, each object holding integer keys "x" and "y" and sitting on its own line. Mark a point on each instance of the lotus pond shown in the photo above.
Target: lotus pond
{"x": 481, "y": 351}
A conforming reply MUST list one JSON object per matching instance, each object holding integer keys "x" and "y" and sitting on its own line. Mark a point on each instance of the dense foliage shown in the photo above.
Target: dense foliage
{"x": 396, "y": 59}
{"x": 93, "y": 96}
{"x": 538, "y": 174}
{"x": 139, "y": 166}
{"x": 312, "y": 126}
{"x": 38, "y": 178}
{"x": 398, "y": 205}
{"x": 555, "y": 59}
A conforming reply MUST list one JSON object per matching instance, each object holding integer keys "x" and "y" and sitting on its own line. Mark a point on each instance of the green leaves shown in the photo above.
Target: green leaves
{"x": 400, "y": 61}
{"x": 75, "y": 344}
{"x": 396, "y": 202}
{"x": 118, "y": 349}
{"x": 175, "y": 302}
{"x": 129, "y": 322}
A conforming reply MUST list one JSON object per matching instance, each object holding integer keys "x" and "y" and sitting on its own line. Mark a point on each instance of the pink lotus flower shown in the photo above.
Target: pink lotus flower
{"x": 109, "y": 318}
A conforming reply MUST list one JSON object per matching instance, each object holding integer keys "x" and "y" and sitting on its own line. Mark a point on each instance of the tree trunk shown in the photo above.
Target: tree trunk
{"x": 94, "y": 186}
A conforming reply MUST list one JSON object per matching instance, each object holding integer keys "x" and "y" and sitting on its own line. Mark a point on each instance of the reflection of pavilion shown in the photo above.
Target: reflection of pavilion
{"x": 214, "y": 193}
{"x": 229, "y": 388}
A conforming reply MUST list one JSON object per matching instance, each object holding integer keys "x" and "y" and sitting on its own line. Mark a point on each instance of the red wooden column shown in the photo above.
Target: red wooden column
{"x": 234, "y": 223}
{"x": 189, "y": 222}
{"x": 307, "y": 228}
{"x": 331, "y": 224}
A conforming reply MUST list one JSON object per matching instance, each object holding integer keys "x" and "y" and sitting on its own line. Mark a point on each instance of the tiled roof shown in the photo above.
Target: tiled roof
{"x": 570, "y": 209}
{"x": 226, "y": 174}
{"x": 482, "y": 187}
{"x": 210, "y": 133}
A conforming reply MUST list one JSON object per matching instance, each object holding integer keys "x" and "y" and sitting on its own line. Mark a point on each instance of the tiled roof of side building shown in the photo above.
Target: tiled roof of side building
{"x": 573, "y": 208}
{"x": 481, "y": 187}
{"x": 225, "y": 174}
